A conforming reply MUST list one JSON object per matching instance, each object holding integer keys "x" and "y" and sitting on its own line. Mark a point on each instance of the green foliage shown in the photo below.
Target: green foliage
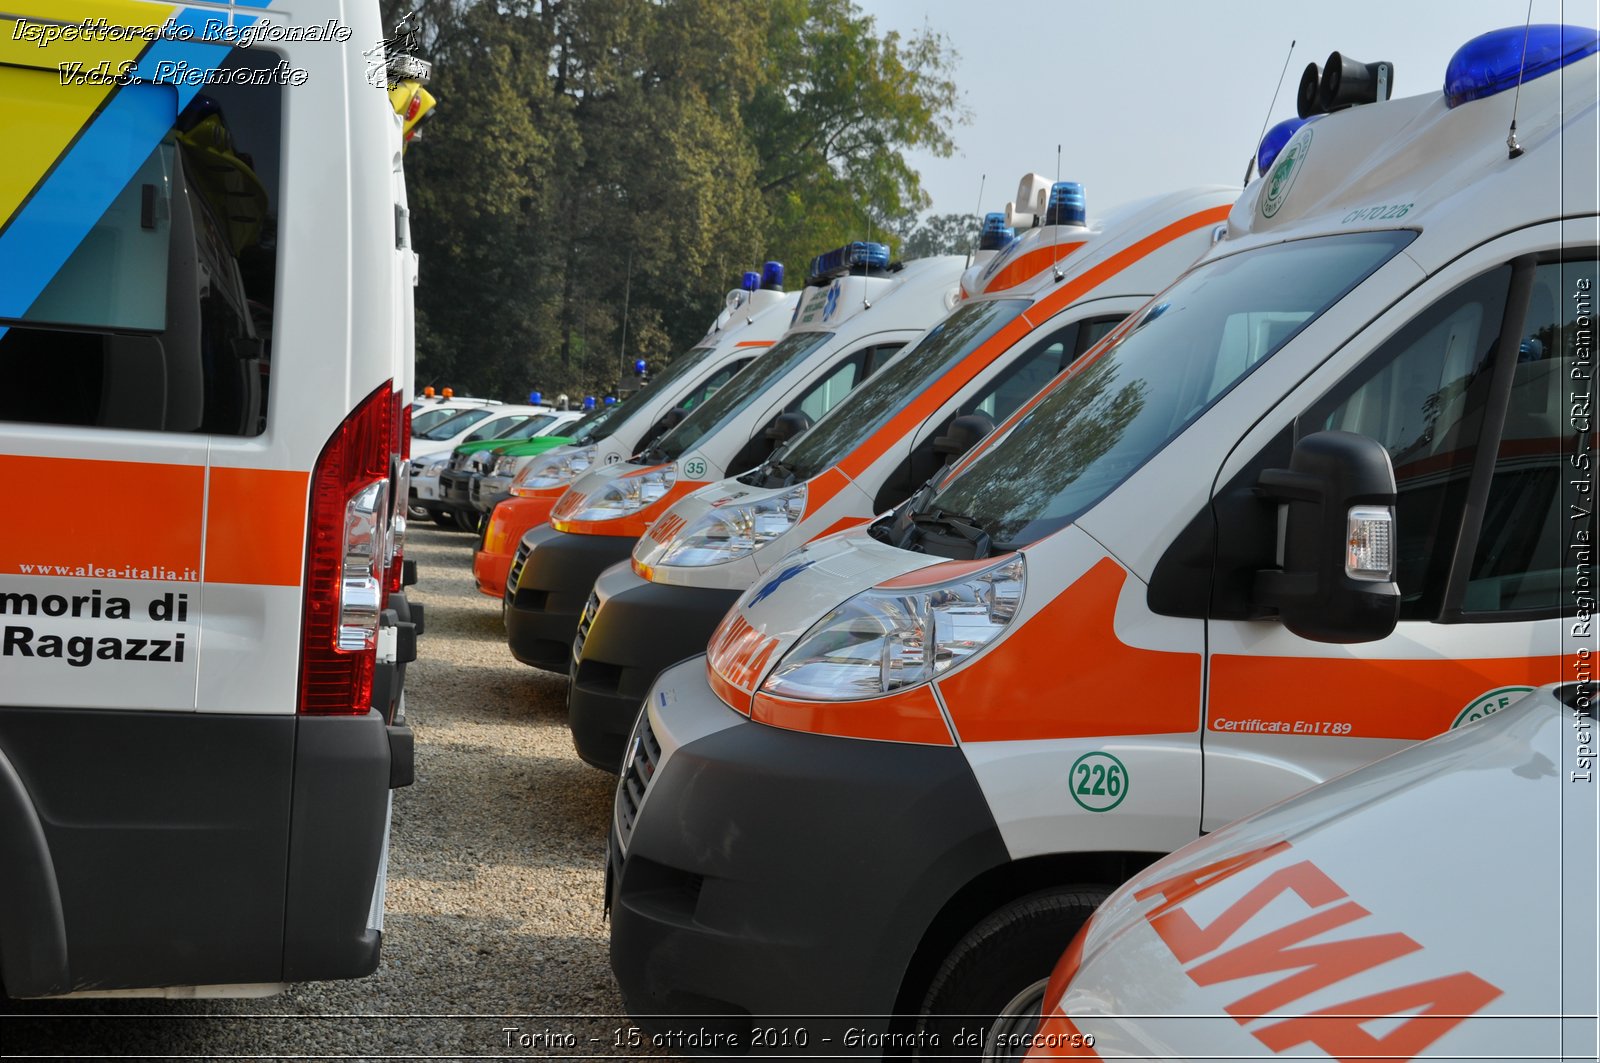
{"x": 599, "y": 172}
{"x": 943, "y": 234}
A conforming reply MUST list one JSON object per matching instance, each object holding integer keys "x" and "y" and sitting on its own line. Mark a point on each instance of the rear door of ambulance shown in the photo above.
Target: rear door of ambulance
{"x": 184, "y": 326}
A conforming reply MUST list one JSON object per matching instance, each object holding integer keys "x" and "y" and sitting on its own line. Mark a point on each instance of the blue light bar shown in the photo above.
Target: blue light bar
{"x": 1274, "y": 140}
{"x": 639, "y": 366}
{"x": 1066, "y": 206}
{"x": 842, "y": 260}
{"x": 1491, "y": 63}
{"x": 588, "y": 402}
{"x": 750, "y": 281}
{"x": 996, "y": 234}
{"x": 535, "y": 398}
{"x": 611, "y": 400}
{"x": 772, "y": 276}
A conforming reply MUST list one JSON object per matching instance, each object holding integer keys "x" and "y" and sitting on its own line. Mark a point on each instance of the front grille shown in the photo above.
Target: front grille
{"x": 585, "y": 620}
{"x": 644, "y": 753}
{"x": 516, "y": 570}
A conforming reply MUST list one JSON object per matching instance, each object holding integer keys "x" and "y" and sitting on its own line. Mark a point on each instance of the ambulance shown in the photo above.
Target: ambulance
{"x": 427, "y": 413}
{"x": 1314, "y": 931}
{"x": 205, "y": 269}
{"x": 858, "y": 310}
{"x": 752, "y": 319}
{"x": 1029, "y": 313}
{"x": 1322, "y": 498}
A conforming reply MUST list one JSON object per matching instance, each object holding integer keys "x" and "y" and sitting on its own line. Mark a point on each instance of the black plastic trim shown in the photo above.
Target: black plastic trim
{"x": 542, "y": 616}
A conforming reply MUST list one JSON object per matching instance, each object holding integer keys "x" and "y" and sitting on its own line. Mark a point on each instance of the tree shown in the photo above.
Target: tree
{"x": 600, "y": 172}
{"x": 943, "y": 234}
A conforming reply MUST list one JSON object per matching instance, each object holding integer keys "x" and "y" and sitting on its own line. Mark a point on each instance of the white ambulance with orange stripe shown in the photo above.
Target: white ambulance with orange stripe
{"x": 1441, "y": 903}
{"x": 1329, "y": 494}
{"x": 753, "y": 318}
{"x": 857, "y": 311}
{"x": 1029, "y": 313}
{"x": 206, "y": 273}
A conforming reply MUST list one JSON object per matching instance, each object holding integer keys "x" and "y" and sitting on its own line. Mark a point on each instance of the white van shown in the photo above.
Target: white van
{"x": 198, "y": 639}
{"x": 751, "y": 321}
{"x": 1030, "y": 312}
{"x": 1367, "y": 917}
{"x": 857, "y": 311}
{"x": 1312, "y": 504}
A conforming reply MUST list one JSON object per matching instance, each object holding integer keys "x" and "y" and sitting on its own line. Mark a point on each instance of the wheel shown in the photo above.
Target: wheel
{"x": 467, "y": 520}
{"x": 993, "y": 982}
{"x": 415, "y": 512}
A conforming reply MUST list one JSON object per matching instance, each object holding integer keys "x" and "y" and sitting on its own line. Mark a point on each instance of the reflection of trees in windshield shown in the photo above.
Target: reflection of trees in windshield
{"x": 1028, "y": 470}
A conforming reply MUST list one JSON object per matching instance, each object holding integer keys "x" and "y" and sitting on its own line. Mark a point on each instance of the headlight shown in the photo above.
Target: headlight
{"x": 617, "y": 498}
{"x": 505, "y": 465}
{"x": 731, "y": 532}
{"x": 479, "y": 461}
{"x": 883, "y": 640}
{"x": 557, "y": 469}
{"x": 428, "y": 465}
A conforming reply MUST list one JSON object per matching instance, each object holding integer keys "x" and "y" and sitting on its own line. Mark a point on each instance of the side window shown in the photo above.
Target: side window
{"x": 712, "y": 383}
{"x": 1517, "y": 561}
{"x": 1094, "y": 330}
{"x": 834, "y": 385}
{"x": 878, "y": 357}
{"x": 1023, "y": 378}
{"x": 151, "y": 302}
{"x": 1423, "y": 395}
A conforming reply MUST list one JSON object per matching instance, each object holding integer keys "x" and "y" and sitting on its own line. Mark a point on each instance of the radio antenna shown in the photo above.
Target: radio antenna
{"x": 972, "y": 241}
{"x": 1514, "y": 149}
{"x": 1055, "y": 267}
{"x": 1250, "y": 166}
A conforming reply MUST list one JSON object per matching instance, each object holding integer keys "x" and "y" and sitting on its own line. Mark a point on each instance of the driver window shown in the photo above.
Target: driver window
{"x": 1422, "y": 395}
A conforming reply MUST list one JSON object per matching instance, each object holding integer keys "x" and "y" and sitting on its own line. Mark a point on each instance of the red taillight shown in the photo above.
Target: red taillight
{"x": 345, "y": 545}
{"x": 399, "y": 492}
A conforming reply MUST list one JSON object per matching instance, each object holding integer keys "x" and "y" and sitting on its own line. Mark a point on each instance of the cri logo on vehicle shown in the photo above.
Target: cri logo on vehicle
{"x": 1488, "y": 704}
{"x": 1281, "y": 177}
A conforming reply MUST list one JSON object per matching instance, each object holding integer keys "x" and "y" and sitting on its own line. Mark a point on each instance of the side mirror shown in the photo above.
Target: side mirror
{"x": 962, "y": 434}
{"x": 1336, "y": 543}
{"x": 786, "y": 426}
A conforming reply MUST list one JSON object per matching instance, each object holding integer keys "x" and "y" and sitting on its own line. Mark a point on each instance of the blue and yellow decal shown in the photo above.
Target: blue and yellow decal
{"x": 72, "y": 145}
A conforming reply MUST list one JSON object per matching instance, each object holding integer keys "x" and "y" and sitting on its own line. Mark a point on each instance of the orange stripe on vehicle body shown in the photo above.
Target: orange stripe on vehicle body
{"x": 842, "y": 524}
{"x": 1065, "y": 674}
{"x": 935, "y": 396}
{"x": 1047, "y": 307}
{"x": 755, "y": 343}
{"x": 157, "y": 509}
{"x": 1030, "y": 265}
{"x": 731, "y": 696}
{"x": 1378, "y": 698}
{"x": 905, "y": 716}
{"x": 256, "y": 526}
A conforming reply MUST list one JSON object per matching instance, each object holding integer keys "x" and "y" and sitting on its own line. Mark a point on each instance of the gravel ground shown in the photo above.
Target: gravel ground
{"x": 495, "y": 877}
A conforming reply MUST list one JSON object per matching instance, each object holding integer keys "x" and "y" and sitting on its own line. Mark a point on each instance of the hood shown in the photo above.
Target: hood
{"x": 1439, "y": 868}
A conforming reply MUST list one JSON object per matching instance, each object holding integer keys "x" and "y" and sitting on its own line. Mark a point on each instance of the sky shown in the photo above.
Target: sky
{"x": 1146, "y": 96}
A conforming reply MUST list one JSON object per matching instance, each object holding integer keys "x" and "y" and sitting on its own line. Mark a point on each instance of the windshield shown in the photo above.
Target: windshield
{"x": 714, "y": 414}
{"x": 1193, "y": 343}
{"x": 455, "y": 425}
{"x": 429, "y": 419}
{"x": 896, "y": 386}
{"x": 612, "y": 420}
{"x": 529, "y": 428}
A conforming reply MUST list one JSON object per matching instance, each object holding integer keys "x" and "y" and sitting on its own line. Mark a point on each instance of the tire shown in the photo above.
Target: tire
{"x": 993, "y": 981}
{"x": 443, "y": 518}
{"x": 467, "y": 520}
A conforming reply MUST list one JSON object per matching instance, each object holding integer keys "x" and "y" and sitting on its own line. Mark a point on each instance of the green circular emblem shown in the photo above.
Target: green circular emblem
{"x": 1488, "y": 704}
{"x": 694, "y": 468}
{"x": 1281, "y": 177}
{"x": 1098, "y": 781}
